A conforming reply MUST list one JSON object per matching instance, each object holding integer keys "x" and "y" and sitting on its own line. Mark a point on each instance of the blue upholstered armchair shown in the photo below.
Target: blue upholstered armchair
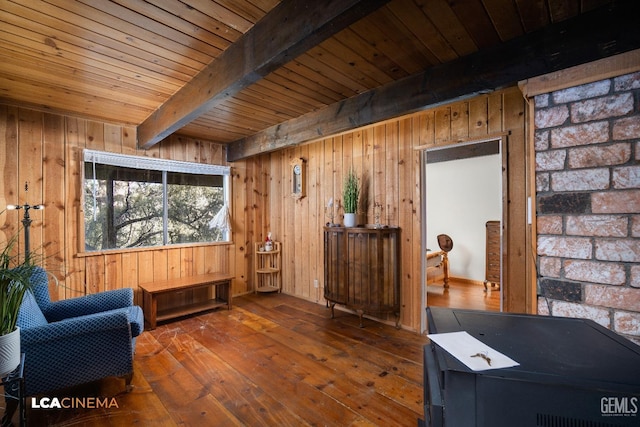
{"x": 77, "y": 340}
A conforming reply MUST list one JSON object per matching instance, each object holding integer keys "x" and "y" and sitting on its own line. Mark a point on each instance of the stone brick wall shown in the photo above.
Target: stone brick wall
{"x": 587, "y": 143}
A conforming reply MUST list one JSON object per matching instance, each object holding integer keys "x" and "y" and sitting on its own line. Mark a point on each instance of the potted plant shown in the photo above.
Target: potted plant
{"x": 350, "y": 196}
{"x": 15, "y": 282}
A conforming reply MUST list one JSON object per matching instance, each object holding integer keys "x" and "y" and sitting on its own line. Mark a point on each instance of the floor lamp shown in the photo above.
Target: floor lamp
{"x": 26, "y": 220}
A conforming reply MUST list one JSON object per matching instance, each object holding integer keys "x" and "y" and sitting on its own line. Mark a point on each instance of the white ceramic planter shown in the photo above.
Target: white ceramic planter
{"x": 349, "y": 220}
{"x": 9, "y": 352}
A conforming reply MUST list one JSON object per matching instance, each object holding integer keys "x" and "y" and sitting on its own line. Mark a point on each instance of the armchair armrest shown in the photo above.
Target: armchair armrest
{"x": 82, "y": 326}
{"x": 89, "y": 304}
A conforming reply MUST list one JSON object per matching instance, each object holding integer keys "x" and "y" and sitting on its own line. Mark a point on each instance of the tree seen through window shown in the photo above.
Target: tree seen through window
{"x": 125, "y": 207}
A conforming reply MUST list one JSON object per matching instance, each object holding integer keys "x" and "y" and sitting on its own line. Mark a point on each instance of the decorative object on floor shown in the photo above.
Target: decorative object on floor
{"x": 9, "y": 348}
{"x": 77, "y": 340}
{"x": 15, "y": 275}
{"x": 350, "y": 196}
{"x": 266, "y": 271}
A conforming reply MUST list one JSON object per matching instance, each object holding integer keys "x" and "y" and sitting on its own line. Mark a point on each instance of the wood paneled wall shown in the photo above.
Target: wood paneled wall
{"x": 387, "y": 158}
{"x": 45, "y": 150}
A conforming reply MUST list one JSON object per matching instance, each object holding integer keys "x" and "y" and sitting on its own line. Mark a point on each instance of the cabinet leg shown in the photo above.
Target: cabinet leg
{"x": 360, "y": 313}
{"x": 333, "y": 304}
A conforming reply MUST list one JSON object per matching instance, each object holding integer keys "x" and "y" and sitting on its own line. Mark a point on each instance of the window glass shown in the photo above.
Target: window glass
{"x": 192, "y": 202}
{"x": 129, "y": 207}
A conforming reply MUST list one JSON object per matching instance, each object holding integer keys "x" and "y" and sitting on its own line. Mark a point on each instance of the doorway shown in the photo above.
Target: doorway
{"x": 463, "y": 189}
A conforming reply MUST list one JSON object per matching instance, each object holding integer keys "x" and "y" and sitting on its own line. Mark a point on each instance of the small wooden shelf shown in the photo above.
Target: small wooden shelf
{"x": 185, "y": 310}
{"x": 267, "y": 272}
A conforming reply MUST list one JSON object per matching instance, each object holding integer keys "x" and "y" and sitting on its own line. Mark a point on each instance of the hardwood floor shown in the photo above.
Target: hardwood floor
{"x": 272, "y": 360}
{"x": 463, "y": 295}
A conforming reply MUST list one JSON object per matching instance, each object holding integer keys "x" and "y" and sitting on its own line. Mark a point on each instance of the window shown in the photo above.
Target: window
{"x": 134, "y": 201}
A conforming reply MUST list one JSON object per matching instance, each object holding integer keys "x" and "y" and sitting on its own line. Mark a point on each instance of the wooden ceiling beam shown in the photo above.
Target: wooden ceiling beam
{"x": 290, "y": 29}
{"x": 595, "y": 35}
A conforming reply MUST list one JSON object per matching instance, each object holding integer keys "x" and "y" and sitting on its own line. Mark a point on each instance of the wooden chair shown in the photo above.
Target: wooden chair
{"x": 441, "y": 258}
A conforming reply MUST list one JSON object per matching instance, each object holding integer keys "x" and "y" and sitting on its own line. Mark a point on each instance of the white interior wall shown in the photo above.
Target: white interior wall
{"x": 462, "y": 195}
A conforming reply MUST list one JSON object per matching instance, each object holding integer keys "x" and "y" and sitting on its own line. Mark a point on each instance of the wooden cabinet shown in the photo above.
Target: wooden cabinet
{"x": 267, "y": 274}
{"x": 492, "y": 270}
{"x": 362, "y": 269}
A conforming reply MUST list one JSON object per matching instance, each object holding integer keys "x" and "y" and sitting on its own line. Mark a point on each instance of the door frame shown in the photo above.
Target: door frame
{"x": 503, "y": 145}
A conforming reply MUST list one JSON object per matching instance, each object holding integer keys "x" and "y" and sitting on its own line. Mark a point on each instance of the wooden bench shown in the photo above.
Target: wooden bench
{"x": 220, "y": 282}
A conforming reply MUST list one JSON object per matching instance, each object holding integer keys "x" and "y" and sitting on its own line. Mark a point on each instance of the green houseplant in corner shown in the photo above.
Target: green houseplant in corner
{"x": 350, "y": 196}
{"x": 15, "y": 275}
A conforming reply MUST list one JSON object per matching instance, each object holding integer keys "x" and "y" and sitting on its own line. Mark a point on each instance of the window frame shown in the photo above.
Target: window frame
{"x": 156, "y": 164}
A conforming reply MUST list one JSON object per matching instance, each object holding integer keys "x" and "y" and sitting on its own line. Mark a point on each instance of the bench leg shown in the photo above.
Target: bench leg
{"x": 150, "y": 304}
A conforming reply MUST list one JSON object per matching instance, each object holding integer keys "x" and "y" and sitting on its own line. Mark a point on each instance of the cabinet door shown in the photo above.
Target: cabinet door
{"x": 389, "y": 271}
{"x": 373, "y": 271}
{"x": 362, "y": 281}
{"x": 335, "y": 283}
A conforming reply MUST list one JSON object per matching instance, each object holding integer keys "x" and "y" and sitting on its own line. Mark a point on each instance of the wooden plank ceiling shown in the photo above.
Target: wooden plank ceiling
{"x": 120, "y": 61}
